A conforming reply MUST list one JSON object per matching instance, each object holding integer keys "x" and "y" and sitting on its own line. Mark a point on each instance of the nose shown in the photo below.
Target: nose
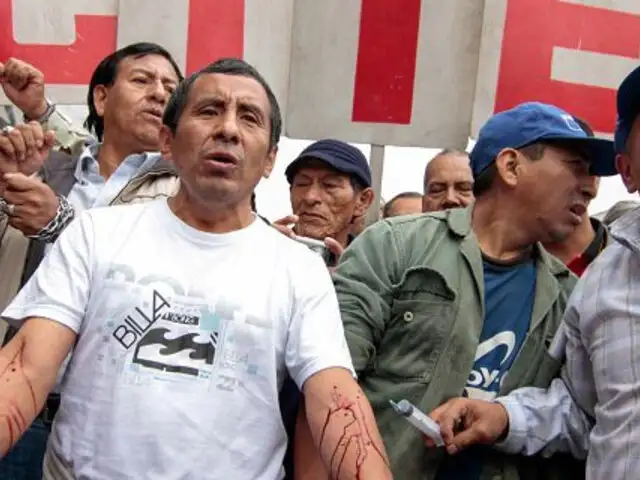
{"x": 452, "y": 199}
{"x": 159, "y": 92}
{"x": 228, "y": 127}
{"x": 312, "y": 194}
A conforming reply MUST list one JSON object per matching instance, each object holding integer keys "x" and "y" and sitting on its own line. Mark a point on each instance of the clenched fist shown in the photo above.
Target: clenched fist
{"x": 24, "y": 148}
{"x": 23, "y": 84}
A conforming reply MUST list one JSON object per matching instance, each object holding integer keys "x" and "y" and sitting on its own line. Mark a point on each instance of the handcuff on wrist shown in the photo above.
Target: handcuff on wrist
{"x": 51, "y": 107}
{"x": 63, "y": 217}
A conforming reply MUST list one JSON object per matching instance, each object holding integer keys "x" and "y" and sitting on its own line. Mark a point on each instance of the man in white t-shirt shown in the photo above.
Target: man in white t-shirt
{"x": 185, "y": 316}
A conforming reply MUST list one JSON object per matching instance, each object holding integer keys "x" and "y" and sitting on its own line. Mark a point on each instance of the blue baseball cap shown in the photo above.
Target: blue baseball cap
{"x": 340, "y": 156}
{"x": 533, "y": 122}
{"x": 628, "y": 108}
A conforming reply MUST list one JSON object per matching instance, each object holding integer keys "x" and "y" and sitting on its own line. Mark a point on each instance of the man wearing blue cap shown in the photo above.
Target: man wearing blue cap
{"x": 466, "y": 301}
{"x": 592, "y": 409}
{"x": 330, "y": 191}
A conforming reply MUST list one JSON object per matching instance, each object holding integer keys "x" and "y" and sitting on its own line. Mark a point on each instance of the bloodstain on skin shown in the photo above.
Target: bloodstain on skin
{"x": 355, "y": 433}
{"x": 10, "y": 410}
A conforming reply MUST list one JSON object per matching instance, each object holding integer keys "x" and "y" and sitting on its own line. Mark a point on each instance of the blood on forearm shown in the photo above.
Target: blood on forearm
{"x": 349, "y": 441}
{"x": 19, "y": 403}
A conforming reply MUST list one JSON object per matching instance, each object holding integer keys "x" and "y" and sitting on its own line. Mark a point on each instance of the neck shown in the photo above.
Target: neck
{"x": 575, "y": 244}
{"x": 212, "y": 217}
{"x": 496, "y": 230}
{"x": 112, "y": 154}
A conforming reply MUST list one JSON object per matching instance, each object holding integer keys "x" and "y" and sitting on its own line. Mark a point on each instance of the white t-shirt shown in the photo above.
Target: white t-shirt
{"x": 184, "y": 338}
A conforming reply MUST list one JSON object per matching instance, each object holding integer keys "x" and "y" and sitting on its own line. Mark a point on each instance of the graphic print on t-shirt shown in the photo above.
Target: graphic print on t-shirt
{"x": 176, "y": 337}
{"x": 488, "y": 371}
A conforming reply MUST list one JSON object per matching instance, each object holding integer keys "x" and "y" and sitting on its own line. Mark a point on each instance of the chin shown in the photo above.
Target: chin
{"x": 311, "y": 232}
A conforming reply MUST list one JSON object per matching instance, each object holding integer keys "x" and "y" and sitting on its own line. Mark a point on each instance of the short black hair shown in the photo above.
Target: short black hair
{"x": 386, "y": 210}
{"x": 107, "y": 70}
{"x": 224, "y": 66}
{"x": 487, "y": 177}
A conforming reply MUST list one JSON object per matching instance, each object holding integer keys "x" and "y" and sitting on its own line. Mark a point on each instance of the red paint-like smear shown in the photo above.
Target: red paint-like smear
{"x": 216, "y": 30}
{"x": 62, "y": 64}
{"x": 531, "y": 31}
{"x": 386, "y": 62}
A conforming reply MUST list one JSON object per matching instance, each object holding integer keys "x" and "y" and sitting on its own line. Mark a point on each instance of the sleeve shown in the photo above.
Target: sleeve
{"x": 605, "y": 373}
{"x": 363, "y": 283}
{"x": 69, "y": 137}
{"x": 315, "y": 340}
{"x": 545, "y": 421}
{"x": 59, "y": 289}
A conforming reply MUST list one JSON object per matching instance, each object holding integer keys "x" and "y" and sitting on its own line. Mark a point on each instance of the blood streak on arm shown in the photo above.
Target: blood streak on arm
{"x": 18, "y": 405}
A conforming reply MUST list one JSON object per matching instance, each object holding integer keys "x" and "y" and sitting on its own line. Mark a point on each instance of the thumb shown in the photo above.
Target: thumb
{"x": 334, "y": 246}
{"x": 286, "y": 221}
{"x": 468, "y": 437}
{"x": 18, "y": 182}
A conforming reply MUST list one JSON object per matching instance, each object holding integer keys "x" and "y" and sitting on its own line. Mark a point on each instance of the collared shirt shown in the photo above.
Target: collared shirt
{"x": 579, "y": 264}
{"x": 92, "y": 190}
{"x": 600, "y": 386}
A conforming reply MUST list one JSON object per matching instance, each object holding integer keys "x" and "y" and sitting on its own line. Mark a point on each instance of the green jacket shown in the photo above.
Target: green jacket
{"x": 411, "y": 293}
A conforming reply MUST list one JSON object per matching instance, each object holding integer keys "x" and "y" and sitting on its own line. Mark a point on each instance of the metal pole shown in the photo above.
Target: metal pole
{"x": 377, "y": 167}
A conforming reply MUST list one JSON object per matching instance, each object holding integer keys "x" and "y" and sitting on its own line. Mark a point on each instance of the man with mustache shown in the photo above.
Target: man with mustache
{"x": 585, "y": 243}
{"x": 465, "y": 301}
{"x": 122, "y": 284}
{"x": 591, "y": 411}
{"x": 40, "y": 193}
{"x": 330, "y": 192}
{"x": 448, "y": 181}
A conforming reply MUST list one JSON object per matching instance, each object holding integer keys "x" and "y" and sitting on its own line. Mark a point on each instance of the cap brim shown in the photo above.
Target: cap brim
{"x": 329, "y": 160}
{"x": 602, "y": 153}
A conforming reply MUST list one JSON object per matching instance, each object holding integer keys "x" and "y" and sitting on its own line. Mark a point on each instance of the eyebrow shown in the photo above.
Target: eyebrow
{"x": 150, "y": 73}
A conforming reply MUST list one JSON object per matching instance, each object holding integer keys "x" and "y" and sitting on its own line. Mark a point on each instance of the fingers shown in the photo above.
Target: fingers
{"x": 16, "y": 137}
{"x": 449, "y": 416}
{"x": 18, "y": 182}
{"x": 287, "y": 221}
{"x": 8, "y": 155}
{"x": 334, "y": 246}
{"x": 48, "y": 140}
{"x": 19, "y": 74}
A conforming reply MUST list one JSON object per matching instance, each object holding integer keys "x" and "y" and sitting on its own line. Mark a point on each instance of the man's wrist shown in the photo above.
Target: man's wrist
{"x": 65, "y": 213}
{"x": 42, "y": 113}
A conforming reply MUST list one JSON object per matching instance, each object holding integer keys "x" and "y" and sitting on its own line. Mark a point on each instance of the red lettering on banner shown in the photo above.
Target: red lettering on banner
{"x": 216, "y": 30}
{"x": 62, "y": 64}
{"x": 531, "y": 31}
{"x": 386, "y": 62}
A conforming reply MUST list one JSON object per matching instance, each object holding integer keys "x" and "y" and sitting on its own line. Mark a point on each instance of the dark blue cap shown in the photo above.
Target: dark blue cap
{"x": 533, "y": 122}
{"x": 628, "y": 108}
{"x": 340, "y": 156}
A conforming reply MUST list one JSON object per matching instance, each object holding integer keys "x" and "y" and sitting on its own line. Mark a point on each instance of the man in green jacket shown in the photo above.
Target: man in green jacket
{"x": 467, "y": 301}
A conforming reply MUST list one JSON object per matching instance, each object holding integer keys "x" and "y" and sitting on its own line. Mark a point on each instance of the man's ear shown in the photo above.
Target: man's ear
{"x": 509, "y": 166}
{"x": 100, "y": 93}
{"x": 271, "y": 161}
{"x": 364, "y": 199}
{"x": 623, "y": 165}
{"x": 165, "y": 138}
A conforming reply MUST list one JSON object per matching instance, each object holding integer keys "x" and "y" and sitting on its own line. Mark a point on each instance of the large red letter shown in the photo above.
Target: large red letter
{"x": 216, "y": 30}
{"x": 386, "y": 63}
{"x": 62, "y": 64}
{"x": 531, "y": 31}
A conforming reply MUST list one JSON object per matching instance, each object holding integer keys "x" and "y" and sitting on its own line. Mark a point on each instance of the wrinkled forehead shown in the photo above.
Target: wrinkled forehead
{"x": 450, "y": 169}
{"x": 229, "y": 89}
{"x": 152, "y": 65}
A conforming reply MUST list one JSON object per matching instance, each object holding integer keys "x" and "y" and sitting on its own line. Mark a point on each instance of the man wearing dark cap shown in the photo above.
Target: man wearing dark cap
{"x": 330, "y": 190}
{"x": 466, "y": 301}
{"x": 592, "y": 409}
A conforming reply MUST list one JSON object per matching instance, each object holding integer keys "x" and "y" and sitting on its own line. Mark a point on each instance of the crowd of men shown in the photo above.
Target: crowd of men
{"x": 161, "y": 328}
